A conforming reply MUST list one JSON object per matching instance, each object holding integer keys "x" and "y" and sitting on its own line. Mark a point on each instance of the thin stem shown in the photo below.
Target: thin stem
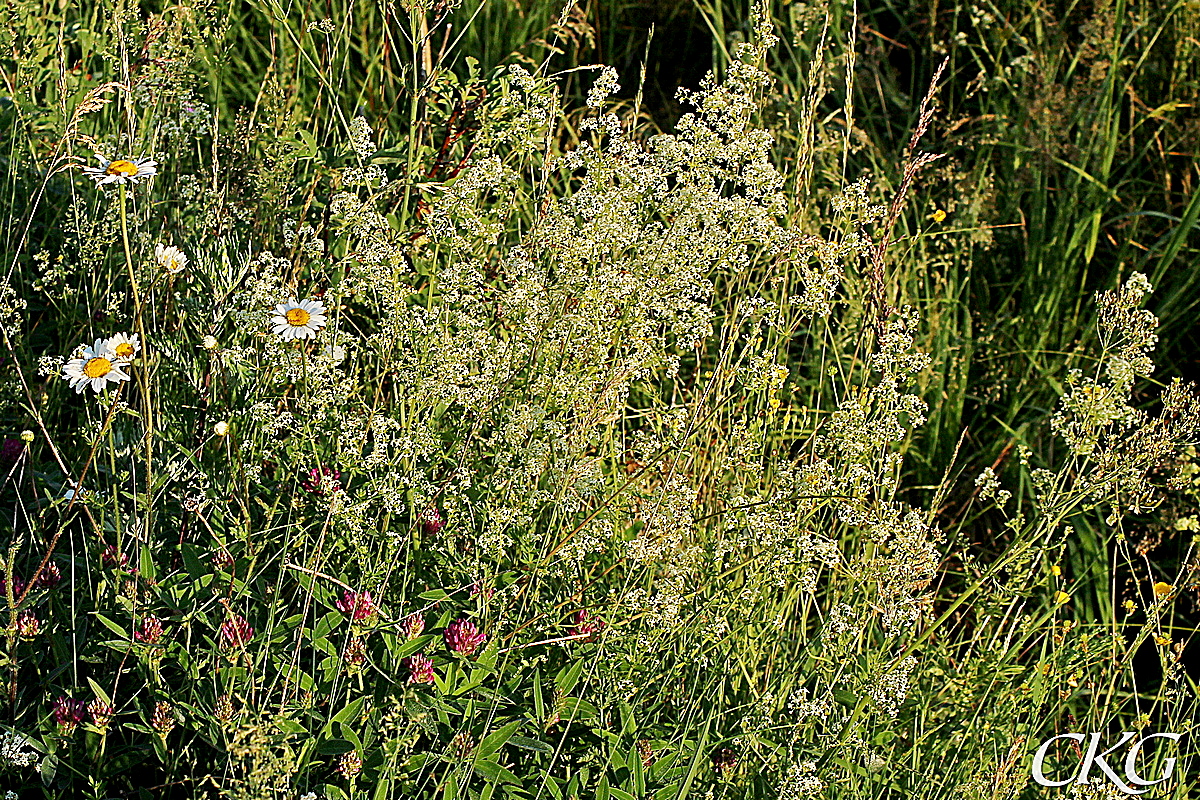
{"x": 143, "y": 378}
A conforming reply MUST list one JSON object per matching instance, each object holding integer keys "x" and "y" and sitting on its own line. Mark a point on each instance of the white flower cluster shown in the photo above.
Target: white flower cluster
{"x": 15, "y": 750}
{"x": 891, "y": 688}
{"x": 801, "y": 781}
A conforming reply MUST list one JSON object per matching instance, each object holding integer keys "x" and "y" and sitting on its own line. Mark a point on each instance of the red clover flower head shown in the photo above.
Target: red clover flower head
{"x": 420, "y": 668}
{"x": 463, "y": 637}
{"x": 112, "y": 557}
{"x": 236, "y": 632}
{"x": 432, "y": 521}
{"x": 28, "y": 625}
{"x": 413, "y": 625}
{"x": 100, "y": 712}
{"x": 585, "y": 625}
{"x": 320, "y": 481}
{"x": 359, "y": 605}
{"x": 151, "y": 630}
{"x": 50, "y": 576}
{"x": 18, "y": 586}
{"x": 69, "y": 712}
{"x": 11, "y": 451}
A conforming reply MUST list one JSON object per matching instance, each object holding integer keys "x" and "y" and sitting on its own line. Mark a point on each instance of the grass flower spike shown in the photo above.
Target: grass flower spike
{"x": 121, "y": 170}
{"x": 170, "y": 259}
{"x": 299, "y": 319}
{"x": 95, "y": 366}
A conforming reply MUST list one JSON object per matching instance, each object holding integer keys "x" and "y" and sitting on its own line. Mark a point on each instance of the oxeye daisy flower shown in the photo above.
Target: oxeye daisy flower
{"x": 299, "y": 319}
{"x": 170, "y": 259}
{"x": 121, "y": 170}
{"x": 94, "y": 366}
{"x": 124, "y": 346}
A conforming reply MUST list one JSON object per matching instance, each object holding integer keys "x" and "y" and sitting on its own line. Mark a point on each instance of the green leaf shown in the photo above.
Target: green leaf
{"x": 635, "y": 770}
{"x": 350, "y": 711}
{"x": 289, "y": 725}
{"x": 576, "y": 708}
{"x": 191, "y": 560}
{"x": 667, "y": 791}
{"x": 334, "y": 747}
{"x": 697, "y": 754}
{"x": 536, "y": 745}
{"x": 434, "y": 594}
{"x": 112, "y": 626}
{"x": 100, "y": 693}
{"x": 539, "y": 705}
{"x": 494, "y": 772}
{"x": 495, "y": 740}
{"x": 412, "y": 646}
{"x": 569, "y": 676}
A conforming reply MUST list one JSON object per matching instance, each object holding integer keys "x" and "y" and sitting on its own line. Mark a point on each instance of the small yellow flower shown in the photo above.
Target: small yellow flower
{"x": 221, "y": 428}
{"x": 938, "y": 216}
{"x": 27, "y": 436}
{"x": 1130, "y": 607}
{"x": 1056, "y": 571}
{"x": 1162, "y": 641}
{"x": 1061, "y": 597}
{"x": 774, "y": 403}
{"x": 1162, "y": 589}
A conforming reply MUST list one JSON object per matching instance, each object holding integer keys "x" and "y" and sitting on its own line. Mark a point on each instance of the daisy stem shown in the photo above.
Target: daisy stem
{"x": 143, "y": 379}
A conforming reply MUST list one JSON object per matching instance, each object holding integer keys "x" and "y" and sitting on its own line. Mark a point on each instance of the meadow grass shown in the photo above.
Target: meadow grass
{"x": 404, "y": 404}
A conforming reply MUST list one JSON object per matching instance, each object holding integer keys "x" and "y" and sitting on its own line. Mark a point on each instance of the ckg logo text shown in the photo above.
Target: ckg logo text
{"x": 1093, "y": 758}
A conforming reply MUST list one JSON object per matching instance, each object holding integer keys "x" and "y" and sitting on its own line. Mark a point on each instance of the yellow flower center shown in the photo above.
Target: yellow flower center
{"x": 125, "y": 350}
{"x": 122, "y": 168}
{"x": 97, "y": 367}
{"x": 298, "y": 317}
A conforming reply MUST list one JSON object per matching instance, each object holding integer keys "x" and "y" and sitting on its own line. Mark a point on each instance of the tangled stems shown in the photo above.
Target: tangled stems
{"x": 143, "y": 379}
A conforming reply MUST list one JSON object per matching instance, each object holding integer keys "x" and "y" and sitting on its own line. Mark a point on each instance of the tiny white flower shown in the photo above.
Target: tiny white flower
{"x": 299, "y": 319}
{"x": 121, "y": 170}
{"x": 209, "y": 342}
{"x": 94, "y": 366}
{"x": 334, "y": 353}
{"x": 170, "y": 259}
{"x": 124, "y": 346}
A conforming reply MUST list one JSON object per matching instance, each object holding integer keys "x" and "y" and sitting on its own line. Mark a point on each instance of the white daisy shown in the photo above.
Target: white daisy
{"x": 124, "y": 346}
{"x": 94, "y": 366}
{"x": 170, "y": 259}
{"x": 299, "y": 319}
{"x": 121, "y": 170}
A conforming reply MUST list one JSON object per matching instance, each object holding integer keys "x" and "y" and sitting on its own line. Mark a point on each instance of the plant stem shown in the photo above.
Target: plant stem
{"x": 143, "y": 378}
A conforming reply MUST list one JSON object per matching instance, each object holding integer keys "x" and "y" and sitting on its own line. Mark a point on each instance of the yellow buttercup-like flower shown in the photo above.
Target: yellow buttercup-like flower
{"x": 1162, "y": 589}
{"x": 1061, "y": 597}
